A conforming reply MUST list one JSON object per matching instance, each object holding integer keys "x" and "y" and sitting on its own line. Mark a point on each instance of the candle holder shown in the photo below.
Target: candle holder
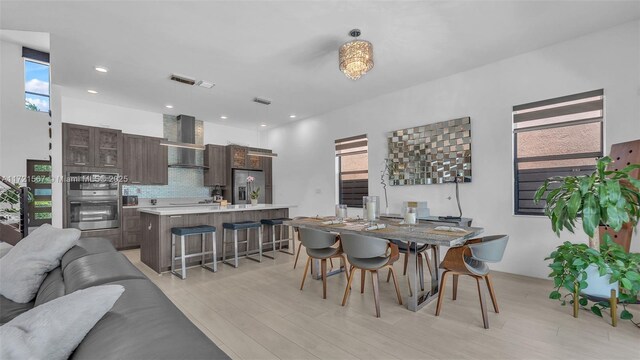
{"x": 341, "y": 212}
{"x": 371, "y": 208}
{"x": 410, "y": 217}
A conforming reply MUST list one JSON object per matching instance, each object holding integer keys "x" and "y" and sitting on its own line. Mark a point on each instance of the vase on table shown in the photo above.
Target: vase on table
{"x": 254, "y": 201}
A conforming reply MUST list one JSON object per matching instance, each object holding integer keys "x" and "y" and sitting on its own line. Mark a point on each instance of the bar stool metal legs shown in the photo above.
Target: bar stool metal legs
{"x": 184, "y": 256}
{"x": 289, "y": 240}
{"x": 235, "y": 246}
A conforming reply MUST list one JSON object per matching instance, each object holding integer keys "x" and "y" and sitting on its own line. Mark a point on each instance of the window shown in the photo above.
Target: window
{"x": 36, "y": 80}
{"x": 556, "y": 137}
{"x": 353, "y": 170}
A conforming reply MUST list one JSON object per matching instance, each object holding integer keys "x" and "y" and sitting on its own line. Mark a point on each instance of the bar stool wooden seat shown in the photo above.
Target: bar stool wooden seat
{"x": 183, "y": 232}
{"x": 279, "y": 222}
{"x": 242, "y": 225}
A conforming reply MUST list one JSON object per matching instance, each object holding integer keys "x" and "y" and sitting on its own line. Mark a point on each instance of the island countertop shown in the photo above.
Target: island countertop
{"x": 199, "y": 209}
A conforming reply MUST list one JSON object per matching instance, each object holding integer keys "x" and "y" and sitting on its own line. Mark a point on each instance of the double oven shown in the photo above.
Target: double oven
{"x": 93, "y": 200}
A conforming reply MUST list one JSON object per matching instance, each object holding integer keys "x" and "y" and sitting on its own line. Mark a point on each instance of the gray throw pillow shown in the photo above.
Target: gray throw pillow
{"x": 25, "y": 266}
{"x": 54, "y": 329}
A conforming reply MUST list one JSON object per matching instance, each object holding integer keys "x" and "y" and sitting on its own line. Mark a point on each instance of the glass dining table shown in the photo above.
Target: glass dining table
{"x": 414, "y": 236}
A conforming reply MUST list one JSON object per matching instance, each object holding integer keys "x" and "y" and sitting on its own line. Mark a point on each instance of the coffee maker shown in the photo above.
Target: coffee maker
{"x": 216, "y": 193}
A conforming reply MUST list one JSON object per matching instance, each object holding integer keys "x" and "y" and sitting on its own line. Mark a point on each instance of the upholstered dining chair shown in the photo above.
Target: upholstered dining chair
{"x": 320, "y": 246}
{"x": 471, "y": 259}
{"x": 370, "y": 254}
{"x": 296, "y": 231}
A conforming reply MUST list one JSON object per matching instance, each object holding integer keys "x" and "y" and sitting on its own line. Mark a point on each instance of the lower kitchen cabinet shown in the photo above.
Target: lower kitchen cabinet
{"x": 131, "y": 232}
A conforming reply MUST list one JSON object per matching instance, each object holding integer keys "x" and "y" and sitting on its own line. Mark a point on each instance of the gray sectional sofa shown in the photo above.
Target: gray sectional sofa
{"x": 143, "y": 323}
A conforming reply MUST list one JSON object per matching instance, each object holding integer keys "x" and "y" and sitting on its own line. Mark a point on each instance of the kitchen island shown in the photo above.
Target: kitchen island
{"x": 156, "y": 224}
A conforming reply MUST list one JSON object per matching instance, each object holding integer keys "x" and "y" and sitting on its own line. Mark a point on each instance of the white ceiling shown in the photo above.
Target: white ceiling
{"x": 285, "y": 50}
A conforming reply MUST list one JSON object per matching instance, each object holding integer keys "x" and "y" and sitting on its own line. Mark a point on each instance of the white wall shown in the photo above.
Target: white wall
{"x": 24, "y": 134}
{"x": 304, "y": 173}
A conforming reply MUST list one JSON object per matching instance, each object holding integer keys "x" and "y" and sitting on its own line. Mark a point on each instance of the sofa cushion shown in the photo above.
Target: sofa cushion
{"x": 98, "y": 269}
{"x": 53, "y": 330}
{"x": 144, "y": 324}
{"x": 86, "y": 246}
{"x": 52, "y": 287}
{"x": 25, "y": 266}
{"x": 9, "y": 309}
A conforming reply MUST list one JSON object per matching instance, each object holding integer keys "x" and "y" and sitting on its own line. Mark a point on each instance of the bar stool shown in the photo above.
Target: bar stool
{"x": 242, "y": 225}
{"x": 183, "y": 232}
{"x": 279, "y": 222}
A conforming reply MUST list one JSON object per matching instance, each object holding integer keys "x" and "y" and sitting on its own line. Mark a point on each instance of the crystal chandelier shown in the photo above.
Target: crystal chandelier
{"x": 356, "y": 56}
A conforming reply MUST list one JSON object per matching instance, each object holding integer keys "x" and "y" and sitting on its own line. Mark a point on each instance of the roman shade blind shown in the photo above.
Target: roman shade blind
{"x": 556, "y": 137}
{"x": 353, "y": 170}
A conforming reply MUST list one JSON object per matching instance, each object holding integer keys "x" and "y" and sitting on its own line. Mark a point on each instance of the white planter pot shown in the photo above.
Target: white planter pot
{"x": 599, "y": 285}
{"x": 254, "y": 201}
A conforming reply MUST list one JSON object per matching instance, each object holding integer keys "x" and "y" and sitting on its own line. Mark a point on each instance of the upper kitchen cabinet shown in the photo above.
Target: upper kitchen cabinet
{"x": 146, "y": 162}
{"x": 135, "y": 154}
{"x": 238, "y": 156}
{"x": 91, "y": 146}
{"x": 157, "y": 165}
{"x": 216, "y": 160}
{"x": 108, "y": 150}
{"x": 267, "y": 167}
{"x": 78, "y": 141}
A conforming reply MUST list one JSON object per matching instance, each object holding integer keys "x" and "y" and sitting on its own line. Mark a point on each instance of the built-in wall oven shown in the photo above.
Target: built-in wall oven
{"x": 93, "y": 200}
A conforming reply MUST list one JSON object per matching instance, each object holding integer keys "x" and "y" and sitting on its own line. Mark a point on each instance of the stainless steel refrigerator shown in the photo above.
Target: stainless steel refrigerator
{"x": 241, "y": 189}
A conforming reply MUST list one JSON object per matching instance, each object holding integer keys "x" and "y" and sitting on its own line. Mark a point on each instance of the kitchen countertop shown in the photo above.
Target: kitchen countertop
{"x": 208, "y": 208}
{"x": 149, "y": 206}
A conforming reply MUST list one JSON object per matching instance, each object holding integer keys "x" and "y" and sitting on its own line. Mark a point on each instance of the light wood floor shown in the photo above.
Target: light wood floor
{"x": 258, "y": 312}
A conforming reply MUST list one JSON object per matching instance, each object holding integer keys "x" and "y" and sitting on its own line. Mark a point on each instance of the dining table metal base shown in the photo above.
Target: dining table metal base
{"x": 419, "y": 293}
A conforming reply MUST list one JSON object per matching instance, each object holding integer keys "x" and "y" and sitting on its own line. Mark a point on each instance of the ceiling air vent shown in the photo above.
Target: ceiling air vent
{"x": 182, "y": 79}
{"x": 262, "y": 101}
{"x": 205, "y": 84}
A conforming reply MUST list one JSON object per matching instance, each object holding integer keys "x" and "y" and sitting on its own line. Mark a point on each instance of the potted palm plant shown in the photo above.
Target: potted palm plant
{"x": 604, "y": 198}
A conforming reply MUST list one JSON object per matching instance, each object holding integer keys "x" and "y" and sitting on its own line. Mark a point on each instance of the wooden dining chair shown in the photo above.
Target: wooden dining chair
{"x": 370, "y": 254}
{"x": 320, "y": 245}
{"x": 471, "y": 260}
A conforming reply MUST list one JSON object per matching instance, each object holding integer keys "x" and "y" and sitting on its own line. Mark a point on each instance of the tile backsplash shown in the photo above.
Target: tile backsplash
{"x": 182, "y": 183}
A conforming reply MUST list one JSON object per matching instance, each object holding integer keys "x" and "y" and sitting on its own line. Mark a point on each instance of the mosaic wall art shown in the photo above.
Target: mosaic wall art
{"x": 431, "y": 154}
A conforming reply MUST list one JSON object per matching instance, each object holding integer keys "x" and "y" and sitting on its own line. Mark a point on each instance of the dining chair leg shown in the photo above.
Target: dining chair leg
{"x": 483, "y": 305}
{"x": 297, "y": 255}
{"x": 443, "y": 282}
{"x": 389, "y": 273}
{"x": 363, "y": 274}
{"x": 492, "y": 293}
{"x": 395, "y": 283}
{"x": 347, "y": 290}
{"x": 376, "y": 292}
{"x": 331, "y": 261}
{"x": 343, "y": 264}
{"x": 455, "y": 286}
{"x": 323, "y": 268}
{"x": 304, "y": 274}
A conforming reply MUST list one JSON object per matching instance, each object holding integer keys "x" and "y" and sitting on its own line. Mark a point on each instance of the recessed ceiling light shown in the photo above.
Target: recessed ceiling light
{"x": 292, "y": 116}
{"x": 101, "y": 69}
{"x": 263, "y": 125}
{"x": 92, "y": 91}
{"x": 223, "y": 117}
{"x": 169, "y": 106}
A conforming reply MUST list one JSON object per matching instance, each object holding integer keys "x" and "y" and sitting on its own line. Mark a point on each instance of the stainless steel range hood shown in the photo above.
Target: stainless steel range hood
{"x": 186, "y": 143}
